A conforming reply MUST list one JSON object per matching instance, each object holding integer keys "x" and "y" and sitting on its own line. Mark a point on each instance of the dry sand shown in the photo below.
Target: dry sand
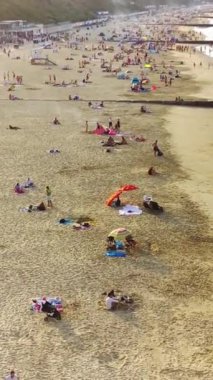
{"x": 169, "y": 335}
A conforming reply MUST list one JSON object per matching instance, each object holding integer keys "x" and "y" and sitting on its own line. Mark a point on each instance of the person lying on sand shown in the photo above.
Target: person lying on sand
{"x": 54, "y": 151}
{"x": 40, "y": 207}
{"x": 152, "y": 171}
{"x": 56, "y": 121}
{"x": 13, "y": 128}
{"x": 138, "y": 138}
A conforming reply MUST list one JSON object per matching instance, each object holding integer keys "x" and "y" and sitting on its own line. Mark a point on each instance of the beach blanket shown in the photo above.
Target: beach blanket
{"x": 55, "y": 301}
{"x": 130, "y": 210}
{"x": 115, "y": 253}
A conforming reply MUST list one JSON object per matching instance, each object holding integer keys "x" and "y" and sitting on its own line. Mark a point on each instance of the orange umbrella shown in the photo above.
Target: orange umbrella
{"x": 119, "y": 192}
{"x": 113, "y": 197}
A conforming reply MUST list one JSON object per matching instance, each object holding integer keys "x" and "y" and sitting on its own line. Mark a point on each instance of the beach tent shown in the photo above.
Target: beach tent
{"x": 115, "y": 195}
{"x": 147, "y": 66}
{"x": 135, "y": 80}
{"x": 122, "y": 75}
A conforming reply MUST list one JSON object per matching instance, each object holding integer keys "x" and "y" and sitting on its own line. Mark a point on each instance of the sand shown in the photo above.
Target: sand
{"x": 192, "y": 137}
{"x": 169, "y": 334}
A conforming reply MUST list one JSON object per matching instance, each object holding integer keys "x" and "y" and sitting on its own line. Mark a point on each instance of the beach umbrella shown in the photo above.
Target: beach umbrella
{"x": 120, "y": 233}
{"x": 128, "y": 188}
{"x": 115, "y": 195}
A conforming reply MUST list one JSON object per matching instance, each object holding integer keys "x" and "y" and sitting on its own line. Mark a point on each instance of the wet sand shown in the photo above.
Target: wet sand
{"x": 192, "y": 137}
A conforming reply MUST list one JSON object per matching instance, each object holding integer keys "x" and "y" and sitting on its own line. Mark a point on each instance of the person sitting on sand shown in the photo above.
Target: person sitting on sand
{"x": 111, "y": 301}
{"x": 122, "y": 142}
{"x": 111, "y": 245}
{"x": 150, "y": 204}
{"x": 56, "y": 121}
{"x": 29, "y": 183}
{"x": 156, "y": 149}
{"x": 143, "y": 109}
{"x": 130, "y": 243}
{"x": 152, "y": 171}
{"x": 18, "y": 189}
{"x": 109, "y": 142}
{"x": 117, "y": 126}
{"x": 101, "y": 104}
{"x": 117, "y": 202}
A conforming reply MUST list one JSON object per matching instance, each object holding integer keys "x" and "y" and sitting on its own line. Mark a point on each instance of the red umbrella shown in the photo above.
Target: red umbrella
{"x": 119, "y": 192}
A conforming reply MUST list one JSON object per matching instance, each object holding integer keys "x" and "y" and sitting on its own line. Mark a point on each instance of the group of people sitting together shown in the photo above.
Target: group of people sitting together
{"x": 128, "y": 245}
{"x": 111, "y": 142}
{"x": 114, "y": 302}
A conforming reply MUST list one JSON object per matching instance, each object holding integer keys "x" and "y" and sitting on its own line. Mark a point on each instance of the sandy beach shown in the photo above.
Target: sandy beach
{"x": 168, "y": 335}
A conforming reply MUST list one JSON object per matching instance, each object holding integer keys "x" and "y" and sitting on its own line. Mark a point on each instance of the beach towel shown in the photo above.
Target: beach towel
{"x": 130, "y": 210}
{"x": 115, "y": 254}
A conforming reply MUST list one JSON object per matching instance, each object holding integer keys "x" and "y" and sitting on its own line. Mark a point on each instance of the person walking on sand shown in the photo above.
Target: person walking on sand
{"x": 12, "y": 376}
{"x": 49, "y": 200}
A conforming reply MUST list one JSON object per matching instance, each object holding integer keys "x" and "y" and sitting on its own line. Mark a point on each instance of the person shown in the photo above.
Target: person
{"x": 156, "y": 149}
{"x": 150, "y": 204}
{"x": 29, "y": 183}
{"x": 49, "y": 200}
{"x": 40, "y": 207}
{"x": 56, "y": 121}
{"x": 111, "y": 301}
{"x": 122, "y": 142}
{"x": 14, "y": 128}
{"x": 118, "y": 202}
{"x": 101, "y": 104}
{"x": 111, "y": 245}
{"x": 18, "y": 189}
{"x": 12, "y": 376}
{"x": 152, "y": 171}
{"x": 143, "y": 109}
{"x": 118, "y": 125}
{"x": 109, "y": 142}
{"x": 130, "y": 242}
{"x": 50, "y": 310}
{"x": 110, "y": 123}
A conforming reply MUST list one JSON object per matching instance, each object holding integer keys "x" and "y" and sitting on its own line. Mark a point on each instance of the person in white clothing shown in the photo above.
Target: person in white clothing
{"x": 111, "y": 301}
{"x": 12, "y": 376}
